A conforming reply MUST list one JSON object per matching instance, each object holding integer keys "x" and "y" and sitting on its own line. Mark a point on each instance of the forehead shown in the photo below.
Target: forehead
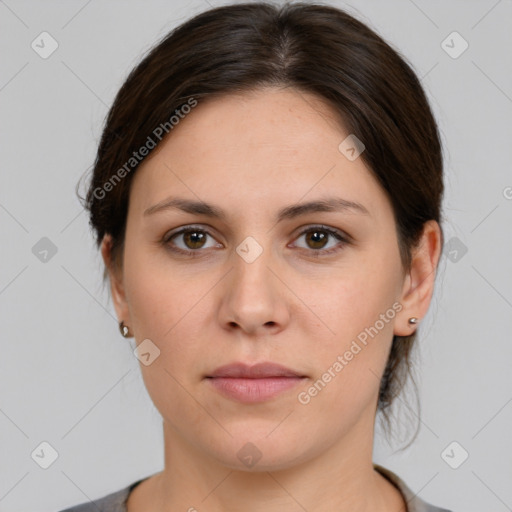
{"x": 269, "y": 143}
{"x": 259, "y": 116}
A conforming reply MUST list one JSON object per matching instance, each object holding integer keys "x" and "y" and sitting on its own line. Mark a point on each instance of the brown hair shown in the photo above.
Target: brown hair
{"x": 313, "y": 48}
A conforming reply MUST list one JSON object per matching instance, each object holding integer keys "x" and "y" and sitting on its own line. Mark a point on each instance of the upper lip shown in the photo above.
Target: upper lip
{"x": 257, "y": 371}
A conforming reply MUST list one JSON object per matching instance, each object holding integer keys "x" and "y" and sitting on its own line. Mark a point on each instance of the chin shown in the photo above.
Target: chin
{"x": 258, "y": 453}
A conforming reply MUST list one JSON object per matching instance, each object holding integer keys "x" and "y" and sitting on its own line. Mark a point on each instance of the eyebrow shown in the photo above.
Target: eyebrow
{"x": 327, "y": 204}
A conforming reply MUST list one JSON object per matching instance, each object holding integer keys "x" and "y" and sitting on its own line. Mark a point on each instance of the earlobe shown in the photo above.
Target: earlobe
{"x": 419, "y": 283}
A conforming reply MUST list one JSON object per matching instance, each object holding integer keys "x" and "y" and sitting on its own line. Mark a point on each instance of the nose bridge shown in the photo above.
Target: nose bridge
{"x": 251, "y": 276}
{"x": 252, "y": 298}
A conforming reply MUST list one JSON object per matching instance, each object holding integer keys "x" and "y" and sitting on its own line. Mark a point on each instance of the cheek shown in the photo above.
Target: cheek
{"x": 153, "y": 289}
{"x": 163, "y": 308}
{"x": 358, "y": 307}
{"x": 170, "y": 310}
{"x": 354, "y": 298}
{"x": 348, "y": 367}
{"x": 165, "y": 305}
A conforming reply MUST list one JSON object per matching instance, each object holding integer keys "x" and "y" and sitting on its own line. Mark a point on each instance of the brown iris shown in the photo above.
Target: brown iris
{"x": 194, "y": 239}
{"x": 317, "y": 237}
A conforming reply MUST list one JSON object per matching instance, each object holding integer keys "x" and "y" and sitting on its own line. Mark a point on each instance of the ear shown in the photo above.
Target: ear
{"x": 115, "y": 275}
{"x": 418, "y": 285}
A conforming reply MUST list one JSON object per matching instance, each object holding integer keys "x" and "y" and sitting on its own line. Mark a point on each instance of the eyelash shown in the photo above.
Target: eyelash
{"x": 345, "y": 240}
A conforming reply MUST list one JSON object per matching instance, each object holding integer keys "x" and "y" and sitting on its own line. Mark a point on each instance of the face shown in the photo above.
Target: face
{"x": 255, "y": 279}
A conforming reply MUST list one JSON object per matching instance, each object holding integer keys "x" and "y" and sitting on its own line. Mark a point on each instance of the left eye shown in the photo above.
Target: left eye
{"x": 318, "y": 238}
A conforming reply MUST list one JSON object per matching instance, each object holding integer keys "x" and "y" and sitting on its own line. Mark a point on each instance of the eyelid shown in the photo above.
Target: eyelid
{"x": 334, "y": 231}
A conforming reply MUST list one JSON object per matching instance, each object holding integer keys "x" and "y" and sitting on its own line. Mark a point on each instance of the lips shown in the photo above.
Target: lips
{"x": 252, "y": 384}
{"x": 257, "y": 371}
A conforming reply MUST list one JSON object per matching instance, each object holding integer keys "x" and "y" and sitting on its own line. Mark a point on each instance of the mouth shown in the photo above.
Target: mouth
{"x": 252, "y": 384}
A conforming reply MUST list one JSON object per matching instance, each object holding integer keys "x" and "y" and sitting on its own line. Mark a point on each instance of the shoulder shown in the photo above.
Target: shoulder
{"x": 414, "y": 502}
{"x": 115, "y": 502}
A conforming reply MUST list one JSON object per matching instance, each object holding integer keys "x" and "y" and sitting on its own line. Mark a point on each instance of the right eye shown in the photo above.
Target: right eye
{"x": 189, "y": 240}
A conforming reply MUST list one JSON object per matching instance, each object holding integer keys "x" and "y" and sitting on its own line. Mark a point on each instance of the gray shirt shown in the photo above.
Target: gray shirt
{"x": 116, "y": 502}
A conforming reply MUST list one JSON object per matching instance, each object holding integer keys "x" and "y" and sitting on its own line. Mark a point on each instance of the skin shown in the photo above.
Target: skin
{"x": 252, "y": 154}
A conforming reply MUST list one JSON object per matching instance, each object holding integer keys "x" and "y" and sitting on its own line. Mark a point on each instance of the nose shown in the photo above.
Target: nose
{"x": 254, "y": 298}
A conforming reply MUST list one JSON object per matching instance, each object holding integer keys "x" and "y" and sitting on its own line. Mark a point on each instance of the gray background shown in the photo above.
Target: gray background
{"x": 66, "y": 375}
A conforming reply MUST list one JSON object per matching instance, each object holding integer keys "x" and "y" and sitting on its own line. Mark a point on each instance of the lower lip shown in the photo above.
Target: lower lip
{"x": 254, "y": 390}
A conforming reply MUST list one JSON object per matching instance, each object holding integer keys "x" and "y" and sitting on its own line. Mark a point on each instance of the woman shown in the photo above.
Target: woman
{"x": 267, "y": 199}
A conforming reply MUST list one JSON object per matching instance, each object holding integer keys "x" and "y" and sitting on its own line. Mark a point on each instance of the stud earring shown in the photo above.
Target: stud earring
{"x": 124, "y": 329}
{"x": 413, "y": 320}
